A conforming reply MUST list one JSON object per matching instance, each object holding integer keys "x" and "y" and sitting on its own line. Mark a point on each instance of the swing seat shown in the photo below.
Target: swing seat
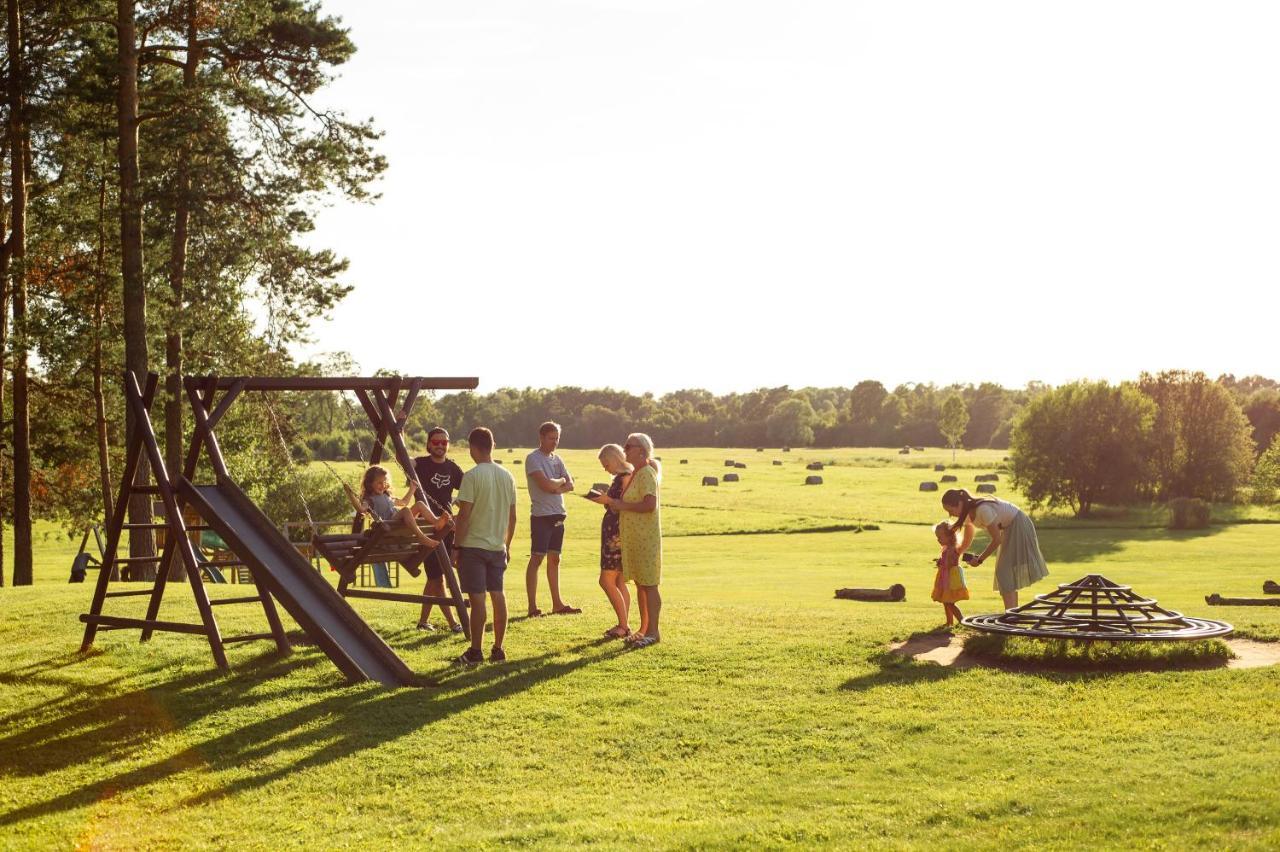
{"x": 380, "y": 543}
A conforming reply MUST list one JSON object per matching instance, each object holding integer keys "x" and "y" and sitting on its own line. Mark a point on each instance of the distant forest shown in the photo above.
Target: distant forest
{"x": 865, "y": 415}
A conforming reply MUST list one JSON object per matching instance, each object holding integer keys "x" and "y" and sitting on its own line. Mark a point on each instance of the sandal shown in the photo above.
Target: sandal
{"x": 644, "y": 642}
{"x": 633, "y": 638}
{"x": 535, "y": 613}
{"x": 618, "y": 632}
{"x": 567, "y": 610}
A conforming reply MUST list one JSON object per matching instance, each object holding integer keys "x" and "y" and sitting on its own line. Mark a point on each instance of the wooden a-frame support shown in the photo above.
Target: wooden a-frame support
{"x": 139, "y": 401}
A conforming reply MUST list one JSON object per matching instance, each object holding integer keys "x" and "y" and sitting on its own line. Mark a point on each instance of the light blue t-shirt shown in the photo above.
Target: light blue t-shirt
{"x": 552, "y": 467}
{"x": 491, "y": 491}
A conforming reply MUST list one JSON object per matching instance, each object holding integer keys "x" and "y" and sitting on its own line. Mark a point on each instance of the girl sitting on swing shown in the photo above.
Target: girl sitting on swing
{"x": 375, "y": 498}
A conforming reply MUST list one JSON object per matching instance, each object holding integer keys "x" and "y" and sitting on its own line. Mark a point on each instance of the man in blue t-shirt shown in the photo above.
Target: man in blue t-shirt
{"x": 549, "y": 481}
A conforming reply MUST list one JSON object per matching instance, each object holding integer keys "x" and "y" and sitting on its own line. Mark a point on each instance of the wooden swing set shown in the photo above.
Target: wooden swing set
{"x": 278, "y": 570}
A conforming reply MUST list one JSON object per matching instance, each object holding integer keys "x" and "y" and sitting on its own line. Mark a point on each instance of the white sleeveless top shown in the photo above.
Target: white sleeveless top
{"x": 1000, "y": 512}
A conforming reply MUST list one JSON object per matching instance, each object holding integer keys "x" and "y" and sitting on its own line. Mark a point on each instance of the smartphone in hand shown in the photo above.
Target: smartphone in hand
{"x": 969, "y": 559}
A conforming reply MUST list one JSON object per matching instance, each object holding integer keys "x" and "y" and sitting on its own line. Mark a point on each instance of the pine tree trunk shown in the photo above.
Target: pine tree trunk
{"x": 134, "y": 296}
{"x": 22, "y": 558}
{"x": 99, "y": 393}
{"x": 177, "y": 282}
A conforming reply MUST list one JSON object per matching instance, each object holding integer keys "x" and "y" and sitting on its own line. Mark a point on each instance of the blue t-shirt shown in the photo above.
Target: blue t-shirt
{"x": 552, "y": 467}
{"x": 382, "y": 505}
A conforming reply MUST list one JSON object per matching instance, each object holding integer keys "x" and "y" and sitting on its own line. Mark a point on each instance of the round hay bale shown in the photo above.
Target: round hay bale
{"x": 511, "y": 449}
{"x": 939, "y": 468}
{"x": 729, "y": 462}
{"x": 813, "y": 466}
{"x": 731, "y": 477}
{"x": 813, "y": 480}
{"x": 928, "y": 486}
{"x": 517, "y": 461}
{"x": 710, "y": 480}
{"x": 786, "y": 449}
{"x": 684, "y": 461}
{"x": 777, "y": 463}
{"x": 905, "y": 451}
{"x": 759, "y": 449}
{"x": 918, "y": 449}
{"x": 986, "y": 488}
{"x": 740, "y": 466}
{"x": 949, "y": 478}
{"x": 499, "y": 461}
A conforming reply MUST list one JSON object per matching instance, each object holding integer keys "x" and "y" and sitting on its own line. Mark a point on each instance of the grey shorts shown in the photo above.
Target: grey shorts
{"x": 481, "y": 571}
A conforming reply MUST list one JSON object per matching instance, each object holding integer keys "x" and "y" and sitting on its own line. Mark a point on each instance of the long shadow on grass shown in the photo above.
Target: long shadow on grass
{"x": 342, "y": 722}
{"x": 1094, "y": 544}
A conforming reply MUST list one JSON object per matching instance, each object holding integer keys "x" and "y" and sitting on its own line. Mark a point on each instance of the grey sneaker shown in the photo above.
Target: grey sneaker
{"x": 472, "y": 657}
{"x": 497, "y": 655}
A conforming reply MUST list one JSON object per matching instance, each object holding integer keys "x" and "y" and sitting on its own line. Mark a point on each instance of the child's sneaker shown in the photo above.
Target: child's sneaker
{"x": 472, "y": 657}
{"x": 497, "y": 655}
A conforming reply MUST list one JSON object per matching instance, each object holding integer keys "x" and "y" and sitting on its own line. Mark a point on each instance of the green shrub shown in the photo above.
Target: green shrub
{"x": 1188, "y": 513}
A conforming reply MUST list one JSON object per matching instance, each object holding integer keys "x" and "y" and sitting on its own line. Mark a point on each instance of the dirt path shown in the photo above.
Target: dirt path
{"x": 948, "y": 650}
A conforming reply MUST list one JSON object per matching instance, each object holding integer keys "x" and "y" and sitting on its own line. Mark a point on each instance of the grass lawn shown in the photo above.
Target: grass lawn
{"x": 771, "y": 714}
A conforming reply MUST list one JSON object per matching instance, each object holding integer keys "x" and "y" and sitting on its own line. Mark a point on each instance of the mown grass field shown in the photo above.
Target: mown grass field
{"x": 771, "y": 715}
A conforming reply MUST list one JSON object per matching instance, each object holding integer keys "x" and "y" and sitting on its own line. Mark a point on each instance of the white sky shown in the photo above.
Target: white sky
{"x": 654, "y": 195}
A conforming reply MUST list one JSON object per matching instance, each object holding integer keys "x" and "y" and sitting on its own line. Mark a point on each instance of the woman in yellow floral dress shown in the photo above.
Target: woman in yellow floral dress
{"x": 641, "y": 523}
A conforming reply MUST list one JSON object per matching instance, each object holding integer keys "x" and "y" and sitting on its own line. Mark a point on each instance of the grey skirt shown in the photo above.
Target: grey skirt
{"x": 1020, "y": 562}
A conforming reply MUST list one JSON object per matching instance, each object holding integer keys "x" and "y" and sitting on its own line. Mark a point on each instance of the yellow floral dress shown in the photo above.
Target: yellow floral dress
{"x": 642, "y": 532}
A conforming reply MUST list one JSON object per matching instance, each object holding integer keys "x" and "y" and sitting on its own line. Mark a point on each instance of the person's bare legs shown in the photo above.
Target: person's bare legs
{"x": 616, "y": 592}
{"x": 553, "y": 580}
{"x": 499, "y": 618}
{"x": 626, "y": 598}
{"x": 654, "y": 602}
{"x": 479, "y": 616}
{"x": 407, "y": 518}
{"x": 1010, "y": 599}
{"x": 435, "y": 588}
{"x": 642, "y": 601}
{"x": 531, "y": 581}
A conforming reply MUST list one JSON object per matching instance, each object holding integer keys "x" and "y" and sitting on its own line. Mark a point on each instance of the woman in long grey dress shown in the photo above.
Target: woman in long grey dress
{"x": 1020, "y": 562}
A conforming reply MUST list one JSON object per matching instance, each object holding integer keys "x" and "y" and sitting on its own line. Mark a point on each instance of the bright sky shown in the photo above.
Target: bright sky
{"x": 659, "y": 194}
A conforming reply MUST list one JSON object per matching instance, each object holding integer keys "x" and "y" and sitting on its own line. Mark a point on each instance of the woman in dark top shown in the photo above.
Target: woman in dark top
{"x": 614, "y": 461}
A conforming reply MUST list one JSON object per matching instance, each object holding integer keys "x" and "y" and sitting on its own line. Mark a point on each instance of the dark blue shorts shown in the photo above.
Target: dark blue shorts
{"x": 434, "y": 562}
{"x": 547, "y": 532}
{"x": 481, "y": 571}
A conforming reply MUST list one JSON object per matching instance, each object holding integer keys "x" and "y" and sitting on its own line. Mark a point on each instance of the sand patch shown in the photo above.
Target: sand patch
{"x": 947, "y": 649}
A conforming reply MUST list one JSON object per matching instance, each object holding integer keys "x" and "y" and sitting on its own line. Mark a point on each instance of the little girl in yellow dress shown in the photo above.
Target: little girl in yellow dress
{"x": 948, "y": 584}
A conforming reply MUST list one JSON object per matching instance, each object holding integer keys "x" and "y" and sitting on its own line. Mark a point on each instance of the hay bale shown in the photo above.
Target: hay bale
{"x": 517, "y": 461}
{"x": 499, "y": 461}
{"x": 893, "y": 594}
{"x": 786, "y": 449}
{"x": 684, "y": 461}
{"x": 813, "y": 466}
{"x": 905, "y": 451}
{"x": 729, "y": 462}
{"x": 710, "y": 480}
{"x": 731, "y": 477}
{"x": 949, "y": 478}
{"x": 918, "y": 449}
{"x": 777, "y": 463}
{"x": 939, "y": 468}
{"x": 511, "y": 449}
{"x": 759, "y": 449}
{"x": 928, "y": 486}
{"x": 986, "y": 488}
{"x": 1271, "y": 587}
{"x": 1188, "y": 513}
{"x": 740, "y": 466}
{"x": 813, "y": 480}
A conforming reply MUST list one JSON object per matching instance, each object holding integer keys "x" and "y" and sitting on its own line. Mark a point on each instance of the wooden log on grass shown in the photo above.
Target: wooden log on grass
{"x": 1271, "y": 587}
{"x": 893, "y": 594}
{"x": 1218, "y": 600}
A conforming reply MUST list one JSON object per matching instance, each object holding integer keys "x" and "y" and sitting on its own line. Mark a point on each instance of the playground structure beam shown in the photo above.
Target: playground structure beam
{"x": 329, "y": 383}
